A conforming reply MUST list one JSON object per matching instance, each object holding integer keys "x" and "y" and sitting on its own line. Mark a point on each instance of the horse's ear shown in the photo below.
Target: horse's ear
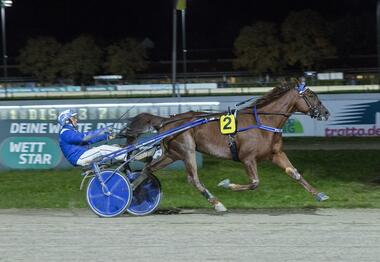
{"x": 301, "y": 87}
{"x": 284, "y": 84}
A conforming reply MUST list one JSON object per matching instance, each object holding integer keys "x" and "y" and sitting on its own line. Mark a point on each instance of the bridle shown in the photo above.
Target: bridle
{"x": 314, "y": 111}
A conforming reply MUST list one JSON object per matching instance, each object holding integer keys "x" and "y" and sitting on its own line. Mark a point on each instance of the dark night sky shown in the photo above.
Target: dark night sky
{"x": 210, "y": 23}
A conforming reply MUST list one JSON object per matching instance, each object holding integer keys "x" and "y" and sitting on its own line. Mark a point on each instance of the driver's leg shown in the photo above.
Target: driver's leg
{"x": 87, "y": 157}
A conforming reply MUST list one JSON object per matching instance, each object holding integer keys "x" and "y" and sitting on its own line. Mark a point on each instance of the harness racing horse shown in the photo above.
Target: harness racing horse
{"x": 258, "y": 137}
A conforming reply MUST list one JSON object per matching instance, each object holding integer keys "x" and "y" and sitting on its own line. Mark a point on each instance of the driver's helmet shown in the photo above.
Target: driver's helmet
{"x": 64, "y": 117}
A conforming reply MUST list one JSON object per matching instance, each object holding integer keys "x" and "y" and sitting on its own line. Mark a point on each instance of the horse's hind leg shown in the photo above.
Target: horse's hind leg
{"x": 251, "y": 169}
{"x": 192, "y": 177}
{"x": 158, "y": 164}
{"x": 150, "y": 168}
{"x": 281, "y": 160}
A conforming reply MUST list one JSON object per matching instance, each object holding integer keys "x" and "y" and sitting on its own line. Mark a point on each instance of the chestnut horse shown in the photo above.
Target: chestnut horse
{"x": 258, "y": 138}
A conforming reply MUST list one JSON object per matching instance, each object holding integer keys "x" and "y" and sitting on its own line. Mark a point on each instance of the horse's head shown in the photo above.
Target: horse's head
{"x": 309, "y": 103}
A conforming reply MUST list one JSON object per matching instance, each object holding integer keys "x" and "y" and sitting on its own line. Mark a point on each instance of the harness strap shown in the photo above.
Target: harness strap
{"x": 256, "y": 116}
{"x": 259, "y": 125}
{"x": 263, "y": 127}
{"x": 233, "y": 147}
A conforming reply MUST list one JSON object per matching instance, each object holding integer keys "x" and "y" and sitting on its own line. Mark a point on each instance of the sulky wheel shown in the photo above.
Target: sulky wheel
{"x": 146, "y": 197}
{"x": 112, "y": 199}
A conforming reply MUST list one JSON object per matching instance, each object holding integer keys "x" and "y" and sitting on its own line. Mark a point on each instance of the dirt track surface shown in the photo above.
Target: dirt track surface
{"x": 286, "y": 235}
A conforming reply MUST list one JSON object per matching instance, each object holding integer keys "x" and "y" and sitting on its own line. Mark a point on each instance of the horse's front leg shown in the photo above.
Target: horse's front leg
{"x": 281, "y": 160}
{"x": 251, "y": 170}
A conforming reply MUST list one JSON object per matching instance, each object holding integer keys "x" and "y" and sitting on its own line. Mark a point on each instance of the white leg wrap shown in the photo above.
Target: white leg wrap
{"x": 293, "y": 172}
{"x": 225, "y": 183}
{"x": 219, "y": 207}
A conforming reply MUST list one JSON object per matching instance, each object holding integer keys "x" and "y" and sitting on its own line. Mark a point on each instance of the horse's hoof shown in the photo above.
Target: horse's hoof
{"x": 225, "y": 183}
{"x": 321, "y": 197}
{"x": 219, "y": 207}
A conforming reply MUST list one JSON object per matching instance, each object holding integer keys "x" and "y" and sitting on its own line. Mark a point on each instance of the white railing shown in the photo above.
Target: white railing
{"x": 125, "y": 90}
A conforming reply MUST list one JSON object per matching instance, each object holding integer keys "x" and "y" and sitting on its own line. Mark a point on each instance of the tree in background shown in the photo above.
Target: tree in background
{"x": 306, "y": 39}
{"x": 351, "y": 39}
{"x": 257, "y": 48}
{"x": 303, "y": 42}
{"x": 80, "y": 60}
{"x": 39, "y": 59}
{"x": 126, "y": 58}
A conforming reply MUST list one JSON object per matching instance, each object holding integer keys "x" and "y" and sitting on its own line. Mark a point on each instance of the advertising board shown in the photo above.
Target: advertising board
{"x": 29, "y": 131}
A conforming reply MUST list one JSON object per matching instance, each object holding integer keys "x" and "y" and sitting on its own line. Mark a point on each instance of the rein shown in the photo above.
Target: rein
{"x": 259, "y": 125}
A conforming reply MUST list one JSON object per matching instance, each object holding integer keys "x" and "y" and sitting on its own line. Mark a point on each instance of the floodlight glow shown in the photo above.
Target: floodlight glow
{"x": 7, "y": 3}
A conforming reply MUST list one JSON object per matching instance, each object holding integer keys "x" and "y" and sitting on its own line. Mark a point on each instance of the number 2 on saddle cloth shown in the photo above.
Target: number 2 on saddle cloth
{"x": 227, "y": 124}
{"x": 228, "y": 127}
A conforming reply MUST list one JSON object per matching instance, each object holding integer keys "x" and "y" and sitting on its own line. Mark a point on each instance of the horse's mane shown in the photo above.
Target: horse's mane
{"x": 274, "y": 94}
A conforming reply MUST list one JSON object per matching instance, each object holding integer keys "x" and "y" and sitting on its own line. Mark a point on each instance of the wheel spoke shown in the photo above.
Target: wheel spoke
{"x": 119, "y": 198}
{"x": 108, "y": 178}
{"x": 115, "y": 185}
{"x": 96, "y": 196}
{"x": 108, "y": 205}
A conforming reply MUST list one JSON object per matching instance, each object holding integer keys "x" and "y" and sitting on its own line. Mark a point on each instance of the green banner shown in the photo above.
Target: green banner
{"x": 293, "y": 126}
{"x": 30, "y": 153}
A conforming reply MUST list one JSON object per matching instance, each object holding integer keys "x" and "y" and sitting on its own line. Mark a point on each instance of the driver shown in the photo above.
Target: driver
{"x": 75, "y": 145}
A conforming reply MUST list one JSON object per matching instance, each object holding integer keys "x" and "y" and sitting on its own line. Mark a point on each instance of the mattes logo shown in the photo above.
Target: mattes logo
{"x": 293, "y": 126}
{"x": 30, "y": 153}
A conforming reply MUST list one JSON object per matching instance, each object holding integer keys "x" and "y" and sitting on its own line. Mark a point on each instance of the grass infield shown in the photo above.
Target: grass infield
{"x": 348, "y": 177}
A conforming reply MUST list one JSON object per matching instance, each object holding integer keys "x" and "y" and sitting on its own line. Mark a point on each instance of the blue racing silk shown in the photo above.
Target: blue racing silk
{"x": 74, "y": 143}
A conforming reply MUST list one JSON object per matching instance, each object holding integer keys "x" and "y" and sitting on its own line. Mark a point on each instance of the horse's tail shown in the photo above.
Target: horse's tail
{"x": 140, "y": 124}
